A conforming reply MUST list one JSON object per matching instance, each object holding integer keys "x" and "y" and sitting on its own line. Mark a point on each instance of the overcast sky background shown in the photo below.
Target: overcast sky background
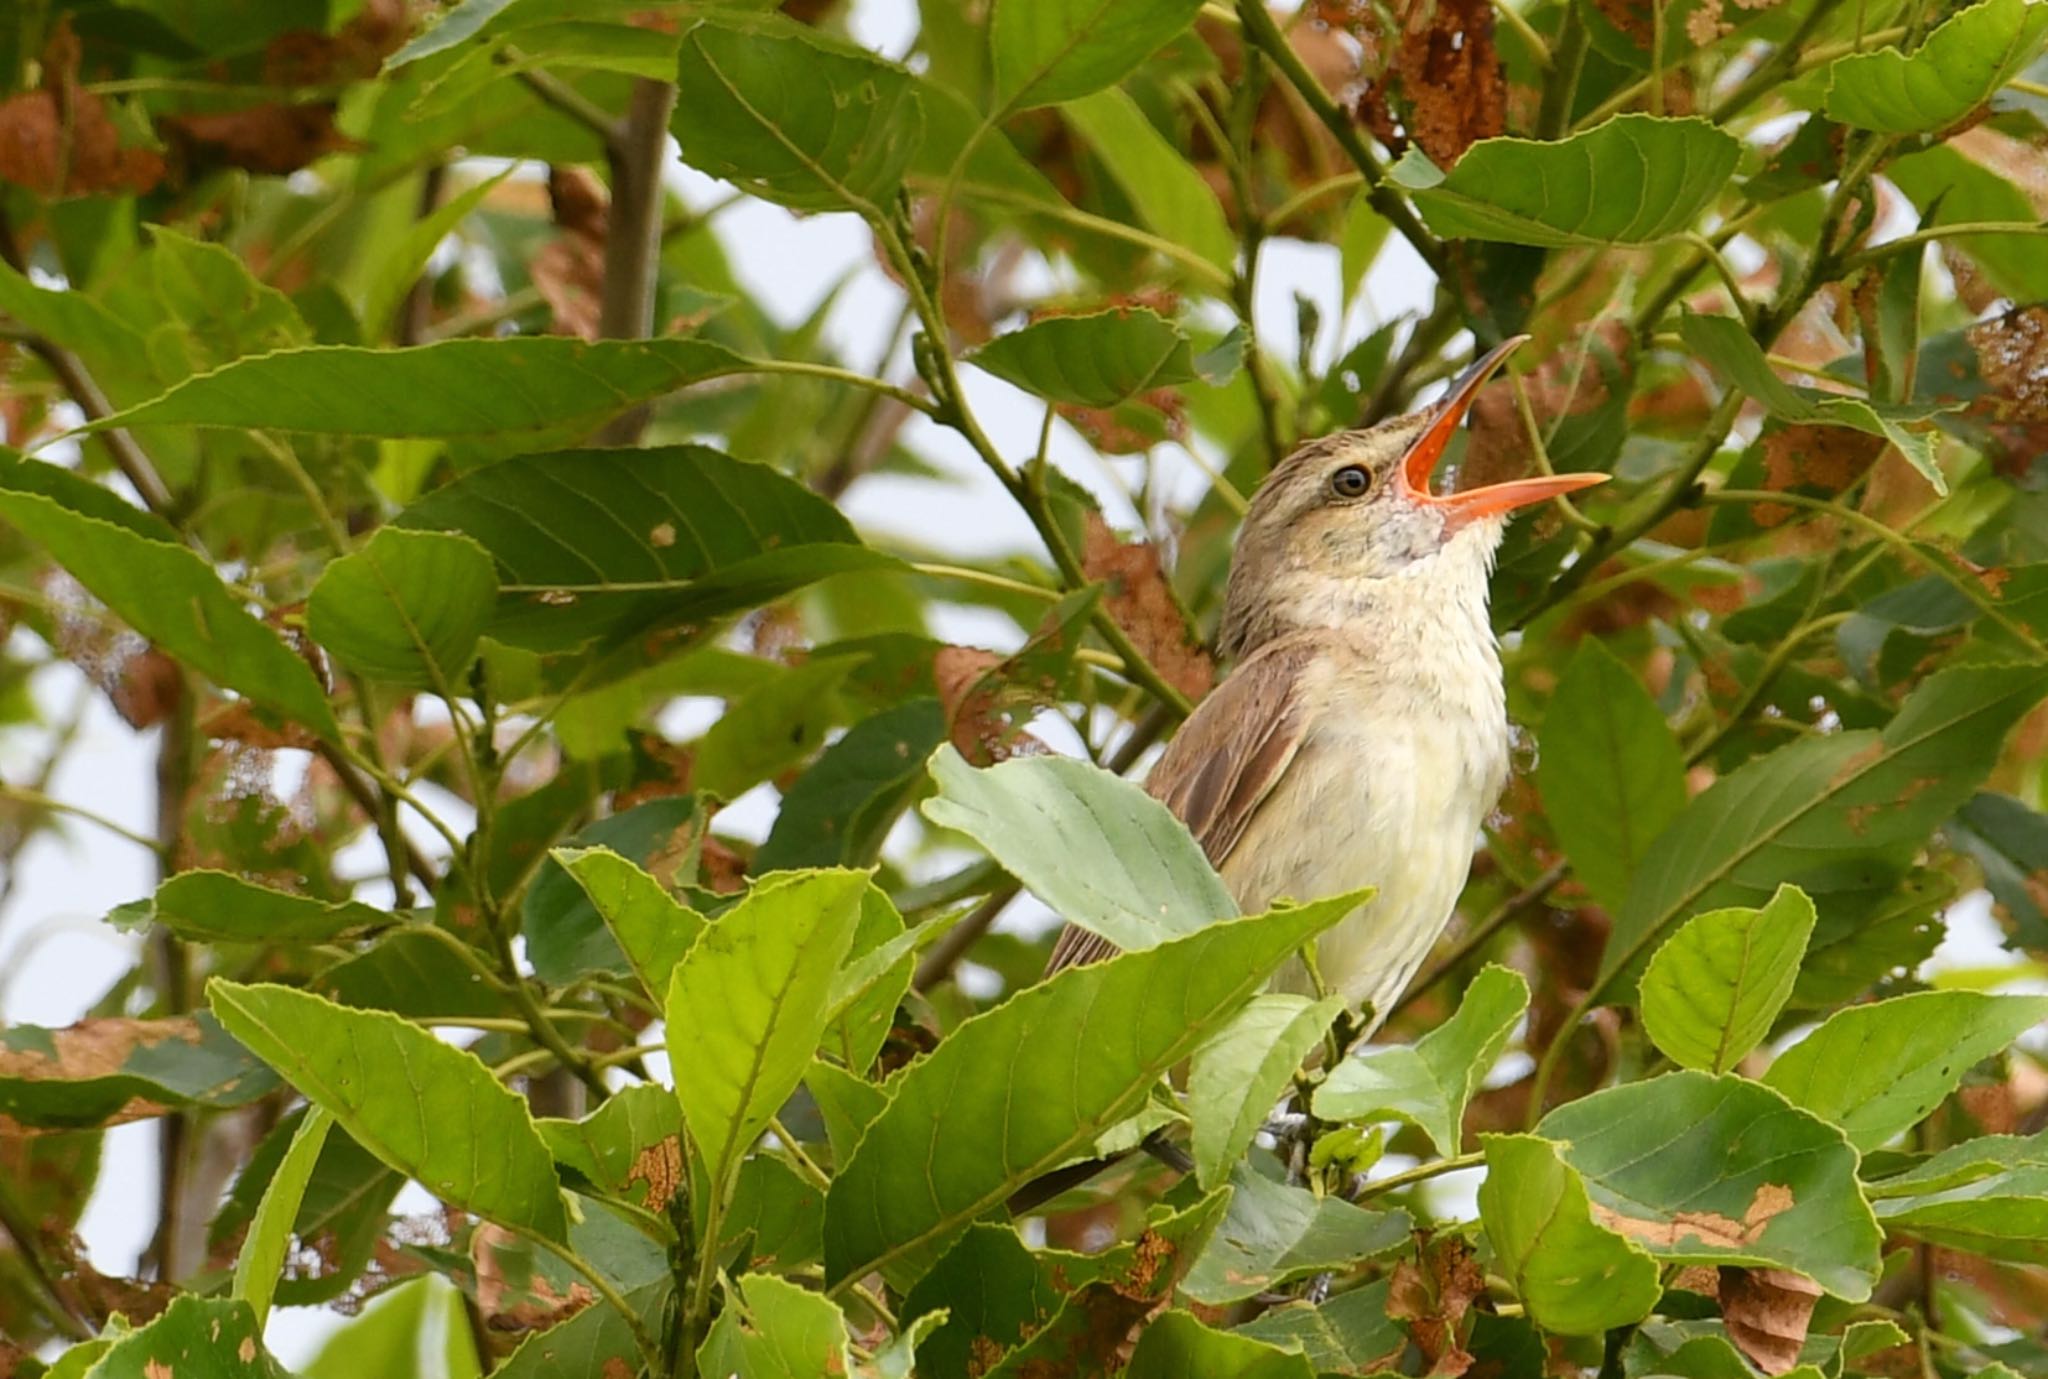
{"x": 57, "y": 956}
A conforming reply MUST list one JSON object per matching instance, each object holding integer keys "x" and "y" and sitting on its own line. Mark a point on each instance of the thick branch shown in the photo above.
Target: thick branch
{"x": 632, "y": 249}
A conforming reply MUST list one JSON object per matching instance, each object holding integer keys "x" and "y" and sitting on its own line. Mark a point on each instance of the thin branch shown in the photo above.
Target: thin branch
{"x": 632, "y": 246}
{"x": 561, "y": 96}
{"x": 36, "y": 799}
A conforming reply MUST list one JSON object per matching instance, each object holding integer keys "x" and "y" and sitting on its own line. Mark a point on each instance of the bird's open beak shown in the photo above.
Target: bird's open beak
{"x": 1421, "y": 460}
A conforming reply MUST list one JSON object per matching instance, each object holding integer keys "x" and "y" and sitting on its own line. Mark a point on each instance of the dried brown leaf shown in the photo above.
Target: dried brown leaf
{"x": 1767, "y": 1311}
{"x": 1141, "y": 601}
{"x": 1432, "y": 1293}
{"x": 271, "y": 138}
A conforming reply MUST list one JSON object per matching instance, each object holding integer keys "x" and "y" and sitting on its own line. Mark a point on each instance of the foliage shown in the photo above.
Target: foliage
{"x": 378, "y": 417}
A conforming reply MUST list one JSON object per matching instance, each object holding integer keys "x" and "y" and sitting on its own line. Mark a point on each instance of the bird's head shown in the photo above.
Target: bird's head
{"x": 1356, "y": 507}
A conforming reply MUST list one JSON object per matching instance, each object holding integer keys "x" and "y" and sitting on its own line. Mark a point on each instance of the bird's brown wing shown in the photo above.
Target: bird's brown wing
{"x": 1220, "y": 767}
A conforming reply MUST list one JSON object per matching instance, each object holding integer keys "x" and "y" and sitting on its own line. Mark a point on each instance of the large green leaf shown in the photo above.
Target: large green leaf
{"x": 652, "y": 928}
{"x": 1020, "y": 1089}
{"x": 1716, "y": 1170}
{"x": 197, "y": 1338}
{"x": 1609, "y": 770}
{"x": 1985, "y": 1196}
{"x": 422, "y": 1106}
{"x": 98, "y": 1072}
{"x": 1723, "y": 342}
{"x": 546, "y": 384}
{"x": 838, "y": 812}
{"x": 1631, "y": 180}
{"x": 1711, "y": 992}
{"x": 1235, "y": 1078}
{"x": 215, "y": 907}
{"x": 1096, "y": 848}
{"x": 407, "y": 608}
{"x": 1042, "y": 52}
{"x": 1574, "y": 1276}
{"x": 772, "y": 1327}
{"x": 794, "y": 116}
{"x": 1275, "y": 1233}
{"x": 596, "y": 543}
{"x": 1176, "y": 1345}
{"x": 747, "y": 1006}
{"x": 1958, "y": 68}
{"x": 1172, "y": 199}
{"x": 1877, "y": 1070}
{"x": 163, "y": 589}
{"x": 1430, "y": 1081}
{"x": 1823, "y": 802}
{"x": 1091, "y": 361}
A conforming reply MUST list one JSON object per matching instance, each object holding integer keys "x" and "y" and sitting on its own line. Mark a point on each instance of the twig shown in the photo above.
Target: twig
{"x": 28, "y": 1248}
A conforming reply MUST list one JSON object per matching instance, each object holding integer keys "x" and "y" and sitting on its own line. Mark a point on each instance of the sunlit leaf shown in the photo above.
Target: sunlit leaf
{"x": 1046, "y": 51}
{"x": 1575, "y": 1276}
{"x": 1957, "y": 68}
{"x": 1711, "y": 992}
{"x": 774, "y": 1327}
{"x": 652, "y": 928}
{"x": 1091, "y": 361}
{"x": 270, "y": 1229}
{"x": 1235, "y": 1078}
{"x": 1274, "y": 1233}
{"x": 1986, "y": 1196}
{"x": 212, "y": 1338}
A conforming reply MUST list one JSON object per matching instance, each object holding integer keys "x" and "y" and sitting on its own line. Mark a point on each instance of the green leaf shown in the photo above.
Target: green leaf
{"x": 628, "y": 1148}
{"x": 588, "y": 1342}
{"x": 1096, "y": 848}
{"x": 2010, "y": 845}
{"x": 1717, "y": 1170}
{"x": 838, "y": 812}
{"x": 992, "y": 1291}
{"x": 606, "y": 543}
{"x": 1951, "y": 189}
{"x": 422, "y": 1106}
{"x": 795, "y": 117}
{"x": 566, "y": 935}
{"x": 1237, "y": 1076}
{"x": 215, "y": 907}
{"x": 270, "y": 1231}
{"x": 1097, "y": 360}
{"x": 772, "y": 1327}
{"x": 847, "y": 1103}
{"x": 1961, "y": 65}
{"x": 1172, "y": 199}
{"x": 407, "y": 608}
{"x": 454, "y": 26}
{"x": 1986, "y": 1196}
{"x": 1176, "y": 1345}
{"x": 747, "y": 1007}
{"x": 1723, "y": 342}
{"x": 197, "y": 1338}
{"x": 342, "y": 1211}
{"x": 162, "y": 589}
{"x": 1042, "y": 52}
{"x": 771, "y": 728}
{"x": 1711, "y": 992}
{"x": 416, "y": 1330}
{"x": 226, "y": 310}
{"x": 1349, "y": 1334}
{"x": 1574, "y": 1276}
{"x": 1609, "y": 770}
{"x": 1429, "y": 1082}
{"x": 1877, "y": 1070}
{"x": 1824, "y": 801}
{"x": 1274, "y": 1233}
{"x": 409, "y": 254}
{"x": 653, "y": 929}
{"x": 1630, "y": 180}
{"x": 542, "y": 384}
{"x": 100, "y": 1072}
{"x": 1020, "y": 1089}
{"x": 861, "y": 1006}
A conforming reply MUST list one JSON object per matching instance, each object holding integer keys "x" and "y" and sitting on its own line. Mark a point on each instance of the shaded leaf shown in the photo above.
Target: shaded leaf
{"x": 1175, "y": 1345}
{"x": 1959, "y": 66}
{"x": 1630, "y": 180}
{"x": 1274, "y": 1233}
{"x": 1429, "y": 1082}
{"x": 1986, "y": 1196}
{"x": 132, "y": 563}
{"x": 629, "y": 1148}
{"x": 1575, "y": 1276}
{"x": 418, "y": 1104}
{"x": 771, "y": 728}
{"x": 1236, "y": 1078}
{"x": 1879, "y": 1069}
{"x": 2010, "y": 843}
{"x": 1824, "y": 801}
{"x": 652, "y": 928}
{"x": 568, "y": 937}
{"x": 596, "y": 1341}
{"x": 1171, "y": 197}
{"x": 957, "y": 1137}
{"x": 838, "y": 812}
{"x": 1717, "y": 1170}
{"x": 1096, "y": 848}
{"x": 746, "y": 1007}
{"x": 1091, "y": 361}
{"x": 597, "y": 543}
{"x": 407, "y": 608}
{"x": 795, "y": 116}
{"x": 1042, "y": 52}
{"x": 1609, "y": 770}
{"x": 216, "y": 907}
{"x": 1349, "y": 1334}
{"x": 1711, "y": 992}
{"x": 99, "y": 1072}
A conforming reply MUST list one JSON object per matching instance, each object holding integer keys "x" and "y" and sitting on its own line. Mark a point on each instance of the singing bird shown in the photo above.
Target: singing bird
{"x": 1363, "y": 735}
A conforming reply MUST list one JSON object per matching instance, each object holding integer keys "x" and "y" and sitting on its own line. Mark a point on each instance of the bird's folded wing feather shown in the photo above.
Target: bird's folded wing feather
{"x": 1221, "y": 766}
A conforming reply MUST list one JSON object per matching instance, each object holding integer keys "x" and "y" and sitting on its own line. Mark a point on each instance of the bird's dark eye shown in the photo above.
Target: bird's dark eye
{"x": 1352, "y": 481}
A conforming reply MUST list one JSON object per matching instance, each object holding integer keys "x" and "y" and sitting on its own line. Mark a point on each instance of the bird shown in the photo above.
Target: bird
{"x": 1362, "y": 736}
